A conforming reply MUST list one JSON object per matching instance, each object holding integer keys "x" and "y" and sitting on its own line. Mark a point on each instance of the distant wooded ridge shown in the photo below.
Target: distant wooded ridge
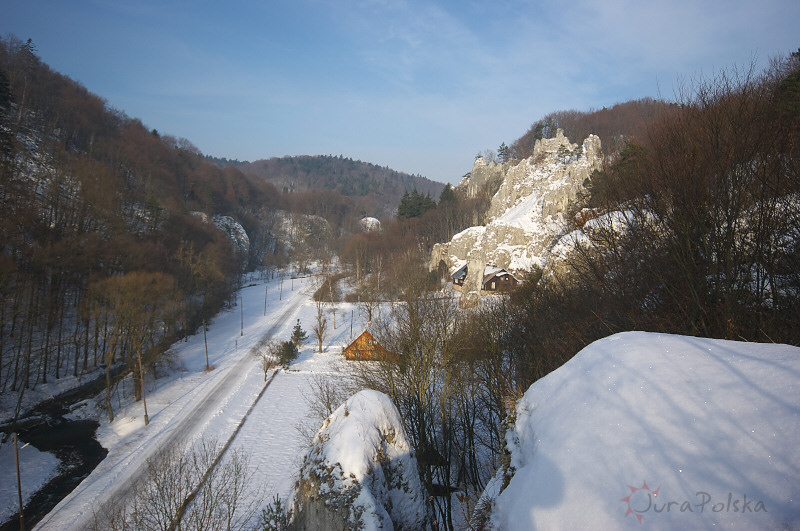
{"x": 380, "y": 187}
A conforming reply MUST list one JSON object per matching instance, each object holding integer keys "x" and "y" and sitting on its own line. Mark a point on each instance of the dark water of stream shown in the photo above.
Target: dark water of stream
{"x": 73, "y": 442}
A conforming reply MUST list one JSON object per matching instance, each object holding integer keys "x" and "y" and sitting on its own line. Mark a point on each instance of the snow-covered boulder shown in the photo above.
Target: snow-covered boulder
{"x": 369, "y": 224}
{"x": 666, "y": 431}
{"x": 360, "y": 472}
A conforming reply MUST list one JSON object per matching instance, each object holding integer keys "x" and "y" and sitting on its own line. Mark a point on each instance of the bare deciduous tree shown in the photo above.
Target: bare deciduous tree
{"x": 268, "y": 353}
{"x": 184, "y": 487}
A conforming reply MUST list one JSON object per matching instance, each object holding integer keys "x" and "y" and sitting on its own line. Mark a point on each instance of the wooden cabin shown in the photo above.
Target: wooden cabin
{"x": 365, "y": 348}
{"x": 459, "y": 276}
{"x": 497, "y": 279}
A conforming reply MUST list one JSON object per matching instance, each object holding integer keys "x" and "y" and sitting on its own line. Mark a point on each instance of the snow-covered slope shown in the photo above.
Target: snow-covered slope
{"x": 669, "y": 432}
{"x": 526, "y": 212}
{"x": 360, "y": 472}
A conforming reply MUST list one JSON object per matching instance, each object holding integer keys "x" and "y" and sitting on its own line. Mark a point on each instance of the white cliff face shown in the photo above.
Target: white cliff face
{"x": 233, "y": 230}
{"x": 526, "y": 213}
{"x": 239, "y": 239}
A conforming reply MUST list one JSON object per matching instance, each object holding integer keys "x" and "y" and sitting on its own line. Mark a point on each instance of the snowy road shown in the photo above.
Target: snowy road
{"x": 199, "y": 404}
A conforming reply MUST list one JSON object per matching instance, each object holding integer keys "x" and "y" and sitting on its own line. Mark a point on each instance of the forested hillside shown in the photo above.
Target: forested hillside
{"x": 103, "y": 217}
{"x": 377, "y": 189}
{"x": 615, "y": 126}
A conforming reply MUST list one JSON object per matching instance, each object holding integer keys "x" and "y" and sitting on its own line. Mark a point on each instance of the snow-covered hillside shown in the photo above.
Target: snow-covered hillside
{"x": 655, "y": 431}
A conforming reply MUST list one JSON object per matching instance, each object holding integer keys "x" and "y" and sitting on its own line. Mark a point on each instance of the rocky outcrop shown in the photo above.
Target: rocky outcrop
{"x": 240, "y": 242}
{"x": 239, "y": 239}
{"x": 360, "y": 472}
{"x": 369, "y": 224}
{"x": 526, "y": 212}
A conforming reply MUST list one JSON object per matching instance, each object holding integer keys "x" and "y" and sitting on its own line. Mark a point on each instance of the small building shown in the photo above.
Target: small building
{"x": 498, "y": 279}
{"x": 459, "y": 276}
{"x": 365, "y": 348}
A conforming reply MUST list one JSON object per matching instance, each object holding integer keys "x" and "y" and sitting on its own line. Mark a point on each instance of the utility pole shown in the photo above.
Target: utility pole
{"x": 19, "y": 485}
{"x": 266, "y": 292}
{"x": 205, "y": 340}
{"x": 330, "y": 291}
{"x": 144, "y": 399}
{"x": 241, "y": 314}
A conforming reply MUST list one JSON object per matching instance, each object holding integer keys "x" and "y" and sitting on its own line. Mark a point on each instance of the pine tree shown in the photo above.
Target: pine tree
{"x": 428, "y": 203}
{"x": 503, "y": 153}
{"x": 447, "y": 195}
{"x": 298, "y": 335}
{"x": 403, "y": 208}
{"x": 415, "y": 204}
{"x": 288, "y": 352}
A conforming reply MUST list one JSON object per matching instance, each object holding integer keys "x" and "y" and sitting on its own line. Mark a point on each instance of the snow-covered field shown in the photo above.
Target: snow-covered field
{"x": 190, "y": 404}
{"x": 653, "y": 431}
{"x": 667, "y": 432}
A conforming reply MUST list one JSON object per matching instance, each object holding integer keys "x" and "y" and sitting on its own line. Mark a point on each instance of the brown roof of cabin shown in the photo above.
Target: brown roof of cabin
{"x": 365, "y": 347}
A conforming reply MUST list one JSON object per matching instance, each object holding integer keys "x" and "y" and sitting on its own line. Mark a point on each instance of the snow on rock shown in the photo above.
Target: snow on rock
{"x": 669, "y": 432}
{"x": 360, "y": 472}
{"x": 369, "y": 224}
{"x": 526, "y": 213}
{"x": 234, "y": 231}
{"x": 239, "y": 239}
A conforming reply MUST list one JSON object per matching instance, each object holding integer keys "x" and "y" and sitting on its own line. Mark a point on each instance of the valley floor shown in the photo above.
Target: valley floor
{"x": 189, "y": 404}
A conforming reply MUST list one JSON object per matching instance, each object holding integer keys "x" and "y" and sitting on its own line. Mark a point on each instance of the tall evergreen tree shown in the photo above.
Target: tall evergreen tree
{"x": 298, "y": 335}
{"x": 447, "y": 195}
{"x": 415, "y": 204}
{"x": 403, "y": 210}
{"x": 503, "y": 153}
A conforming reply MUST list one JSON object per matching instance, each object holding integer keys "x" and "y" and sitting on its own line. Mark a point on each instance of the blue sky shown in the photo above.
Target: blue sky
{"x": 418, "y": 86}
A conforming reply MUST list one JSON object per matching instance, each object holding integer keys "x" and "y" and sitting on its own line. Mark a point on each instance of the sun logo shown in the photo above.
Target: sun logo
{"x": 634, "y": 490}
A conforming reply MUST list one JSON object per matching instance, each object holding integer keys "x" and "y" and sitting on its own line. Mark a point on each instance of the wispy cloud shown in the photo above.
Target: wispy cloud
{"x": 409, "y": 83}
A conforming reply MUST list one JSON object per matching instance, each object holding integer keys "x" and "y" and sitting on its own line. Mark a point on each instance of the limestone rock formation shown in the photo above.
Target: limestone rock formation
{"x": 240, "y": 242}
{"x": 369, "y": 224}
{"x": 360, "y": 472}
{"x": 239, "y": 239}
{"x": 526, "y": 213}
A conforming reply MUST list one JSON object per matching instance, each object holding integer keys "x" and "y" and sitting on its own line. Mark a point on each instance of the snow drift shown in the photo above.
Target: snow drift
{"x": 360, "y": 472}
{"x": 669, "y": 432}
